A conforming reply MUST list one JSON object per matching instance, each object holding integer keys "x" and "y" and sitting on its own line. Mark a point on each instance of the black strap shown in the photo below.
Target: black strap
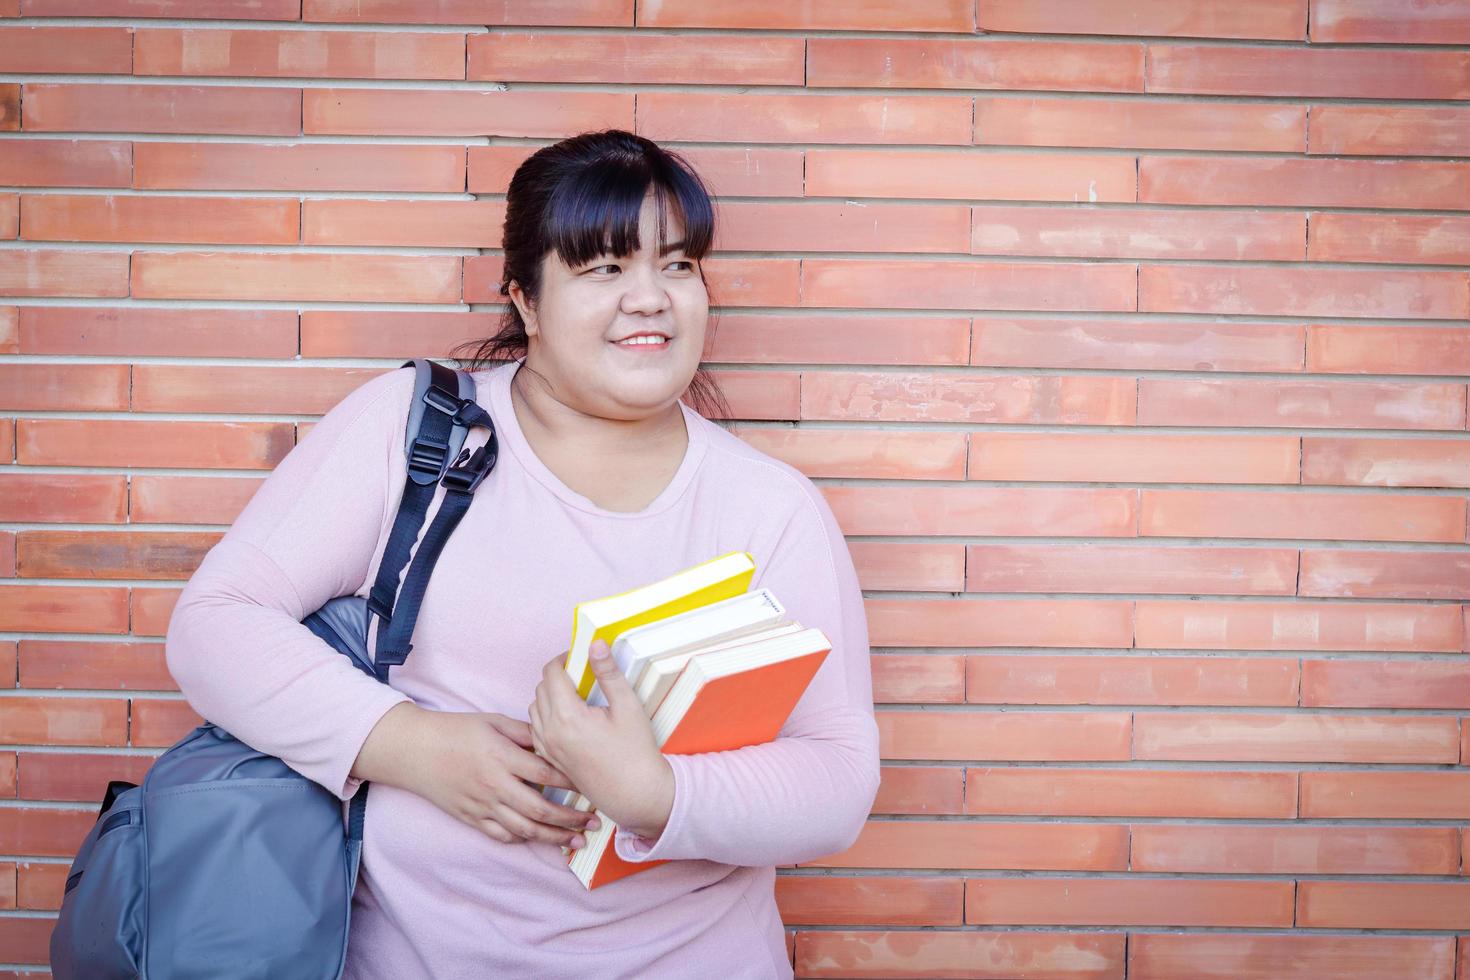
{"x": 398, "y": 611}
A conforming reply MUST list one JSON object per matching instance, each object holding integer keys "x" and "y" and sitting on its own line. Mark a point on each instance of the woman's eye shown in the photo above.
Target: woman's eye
{"x": 684, "y": 262}
{"x": 599, "y": 268}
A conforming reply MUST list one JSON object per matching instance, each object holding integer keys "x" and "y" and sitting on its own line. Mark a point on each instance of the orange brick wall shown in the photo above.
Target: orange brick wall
{"x": 1129, "y": 341}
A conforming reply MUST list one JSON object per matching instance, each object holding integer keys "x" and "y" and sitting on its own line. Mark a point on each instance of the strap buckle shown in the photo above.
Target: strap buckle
{"x": 467, "y": 477}
{"x": 428, "y": 457}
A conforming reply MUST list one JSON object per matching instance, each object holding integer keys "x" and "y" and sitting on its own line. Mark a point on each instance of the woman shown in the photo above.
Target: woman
{"x": 606, "y": 481}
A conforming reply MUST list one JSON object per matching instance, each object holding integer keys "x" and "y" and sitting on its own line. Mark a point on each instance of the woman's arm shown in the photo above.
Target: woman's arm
{"x": 235, "y": 643}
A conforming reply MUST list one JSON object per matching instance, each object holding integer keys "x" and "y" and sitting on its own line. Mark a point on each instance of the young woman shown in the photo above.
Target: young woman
{"x": 606, "y": 480}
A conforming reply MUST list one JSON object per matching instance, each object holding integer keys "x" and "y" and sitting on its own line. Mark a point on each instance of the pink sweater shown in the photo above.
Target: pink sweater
{"x": 437, "y": 898}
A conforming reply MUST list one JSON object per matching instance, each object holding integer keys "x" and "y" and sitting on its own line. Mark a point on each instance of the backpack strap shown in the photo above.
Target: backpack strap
{"x": 441, "y": 413}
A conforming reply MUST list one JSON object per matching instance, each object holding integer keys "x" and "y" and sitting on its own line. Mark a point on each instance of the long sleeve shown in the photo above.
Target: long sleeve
{"x": 235, "y": 642}
{"x": 807, "y": 793}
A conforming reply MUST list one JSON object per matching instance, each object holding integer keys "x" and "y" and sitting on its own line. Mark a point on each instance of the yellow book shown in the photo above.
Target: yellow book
{"x": 607, "y": 618}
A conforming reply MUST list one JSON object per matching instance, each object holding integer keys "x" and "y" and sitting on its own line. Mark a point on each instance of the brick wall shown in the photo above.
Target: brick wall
{"x": 1128, "y": 339}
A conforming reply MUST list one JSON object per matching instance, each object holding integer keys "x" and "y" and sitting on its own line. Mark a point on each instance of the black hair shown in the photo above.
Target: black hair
{"x": 582, "y": 197}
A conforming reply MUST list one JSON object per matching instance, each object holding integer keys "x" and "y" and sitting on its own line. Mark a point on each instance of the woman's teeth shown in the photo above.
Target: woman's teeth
{"x": 646, "y": 339}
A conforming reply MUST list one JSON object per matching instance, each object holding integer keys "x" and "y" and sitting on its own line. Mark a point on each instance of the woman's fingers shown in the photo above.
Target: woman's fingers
{"x": 533, "y": 806}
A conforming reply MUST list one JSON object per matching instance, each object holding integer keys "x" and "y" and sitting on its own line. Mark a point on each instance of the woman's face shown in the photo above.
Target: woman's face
{"x": 582, "y": 328}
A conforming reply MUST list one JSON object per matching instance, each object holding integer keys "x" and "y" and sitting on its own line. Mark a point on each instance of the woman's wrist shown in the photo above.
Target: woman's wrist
{"x": 392, "y": 750}
{"x": 653, "y": 816}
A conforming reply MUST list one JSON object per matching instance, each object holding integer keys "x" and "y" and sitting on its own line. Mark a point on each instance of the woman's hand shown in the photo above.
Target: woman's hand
{"x": 477, "y": 766}
{"x": 610, "y": 752}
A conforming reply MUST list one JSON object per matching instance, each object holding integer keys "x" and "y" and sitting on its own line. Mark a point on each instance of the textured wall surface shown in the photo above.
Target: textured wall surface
{"x": 1129, "y": 341}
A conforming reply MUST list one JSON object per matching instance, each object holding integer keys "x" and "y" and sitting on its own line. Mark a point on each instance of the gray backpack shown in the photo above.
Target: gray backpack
{"x": 226, "y": 863}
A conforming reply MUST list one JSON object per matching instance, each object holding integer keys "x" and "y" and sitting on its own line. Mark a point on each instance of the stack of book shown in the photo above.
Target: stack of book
{"x": 717, "y": 667}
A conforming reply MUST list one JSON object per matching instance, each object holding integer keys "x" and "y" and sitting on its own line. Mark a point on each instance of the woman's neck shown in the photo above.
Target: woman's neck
{"x": 543, "y": 416}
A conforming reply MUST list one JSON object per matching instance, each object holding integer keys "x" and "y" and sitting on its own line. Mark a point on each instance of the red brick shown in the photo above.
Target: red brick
{"x": 946, "y": 845}
{"x": 1280, "y": 291}
{"x": 1404, "y": 238}
{"x": 1125, "y": 568}
{"x": 354, "y": 277}
{"x": 124, "y": 108}
{"x": 200, "y": 9}
{"x": 1284, "y": 850}
{"x": 1161, "y": 124}
{"x": 1113, "y": 680}
{"x": 299, "y": 54}
{"x": 795, "y": 118}
{"x": 1306, "y": 403}
{"x": 967, "y": 176}
{"x": 743, "y": 171}
{"x": 1019, "y": 736}
{"x": 1390, "y": 130}
{"x": 1386, "y": 574}
{"x": 833, "y": 901}
{"x": 40, "y": 886}
{"x": 124, "y": 442}
{"x": 995, "y": 623}
{"x": 139, "y": 331}
{"x": 1120, "y": 901}
{"x": 150, "y": 610}
{"x": 761, "y": 394}
{"x": 1138, "y": 233}
{"x": 1319, "y": 516}
{"x": 158, "y": 723}
{"x": 1388, "y": 350}
{"x": 863, "y": 454}
{"x": 449, "y": 112}
{"x": 91, "y": 665}
{"x": 1220, "y": 956}
{"x": 906, "y": 566}
{"x": 828, "y": 15}
{"x": 1014, "y": 399}
{"x": 65, "y": 721}
{"x": 131, "y": 218}
{"x": 1056, "y": 792}
{"x": 968, "y": 285}
{"x": 633, "y": 58}
{"x": 1133, "y": 458}
{"x": 1383, "y": 905}
{"x": 1137, "y": 345}
{"x": 8, "y": 759}
{"x": 979, "y": 63}
{"x": 763, "y": 338}
{"x": 46, "y": 832}
{"x": 63, "y": 272}
{"x": 1304, "y": 71}
{"x": 63, "y": 609}
{"x": 1289, "y": 182}
{"x": 1295, "y": 738}
{"x": 8, "y": 655}
{"x": 1385, "y": 462}
{"x": 66, "y": 50}
{"x": 283, "y": 390}
{"x": 1334, "y": 793}
{"x": 921, "y": 789}
{"x": 1011, "y": 511}
{"x": 390, "y": 333}
{"x": 967, "y": 953}
{"x": 918, "y": 678}
{"x": 63, "y": 387}
{"x": 849, "y": 226}
{"x": 118, "y": 554}
{"x": 1270, "y": 20}
{"x": 564, "y": 13}
{"x": 189, "y": 499}
{"x": 27, "y": 940}
{"x": 77, "y": 778}
{"x": 1390, "y": 22}
{"x": 1302, "y": 625}
{"x": 1385, "y": 684}
{"x": 463, "y": 224}
{"x": 300, "y": 166}
{"x": 65, "y": 163}
{"x": 85, "y": 498}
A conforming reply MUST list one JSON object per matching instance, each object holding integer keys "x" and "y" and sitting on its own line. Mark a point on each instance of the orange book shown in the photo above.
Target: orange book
{"x": 724, "y": 699}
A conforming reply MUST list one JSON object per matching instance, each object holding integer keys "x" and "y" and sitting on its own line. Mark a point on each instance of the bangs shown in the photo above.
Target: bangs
{"x": 598, "y": 213}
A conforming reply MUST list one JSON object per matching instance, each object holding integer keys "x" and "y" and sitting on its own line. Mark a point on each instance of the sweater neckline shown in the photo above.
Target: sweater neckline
{"x": 508, "y": 430}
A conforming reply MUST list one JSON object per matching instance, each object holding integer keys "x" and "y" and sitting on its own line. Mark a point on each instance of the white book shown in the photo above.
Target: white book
{"x": 699, "y": 628}
{"x": 660, "y": 674}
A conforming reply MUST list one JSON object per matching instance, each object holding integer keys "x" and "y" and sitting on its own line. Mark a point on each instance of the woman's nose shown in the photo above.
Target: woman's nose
{"x": 644, "y": 292}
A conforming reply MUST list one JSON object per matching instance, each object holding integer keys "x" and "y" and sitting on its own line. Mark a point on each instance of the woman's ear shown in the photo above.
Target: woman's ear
{"x": 523, "y": 306}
